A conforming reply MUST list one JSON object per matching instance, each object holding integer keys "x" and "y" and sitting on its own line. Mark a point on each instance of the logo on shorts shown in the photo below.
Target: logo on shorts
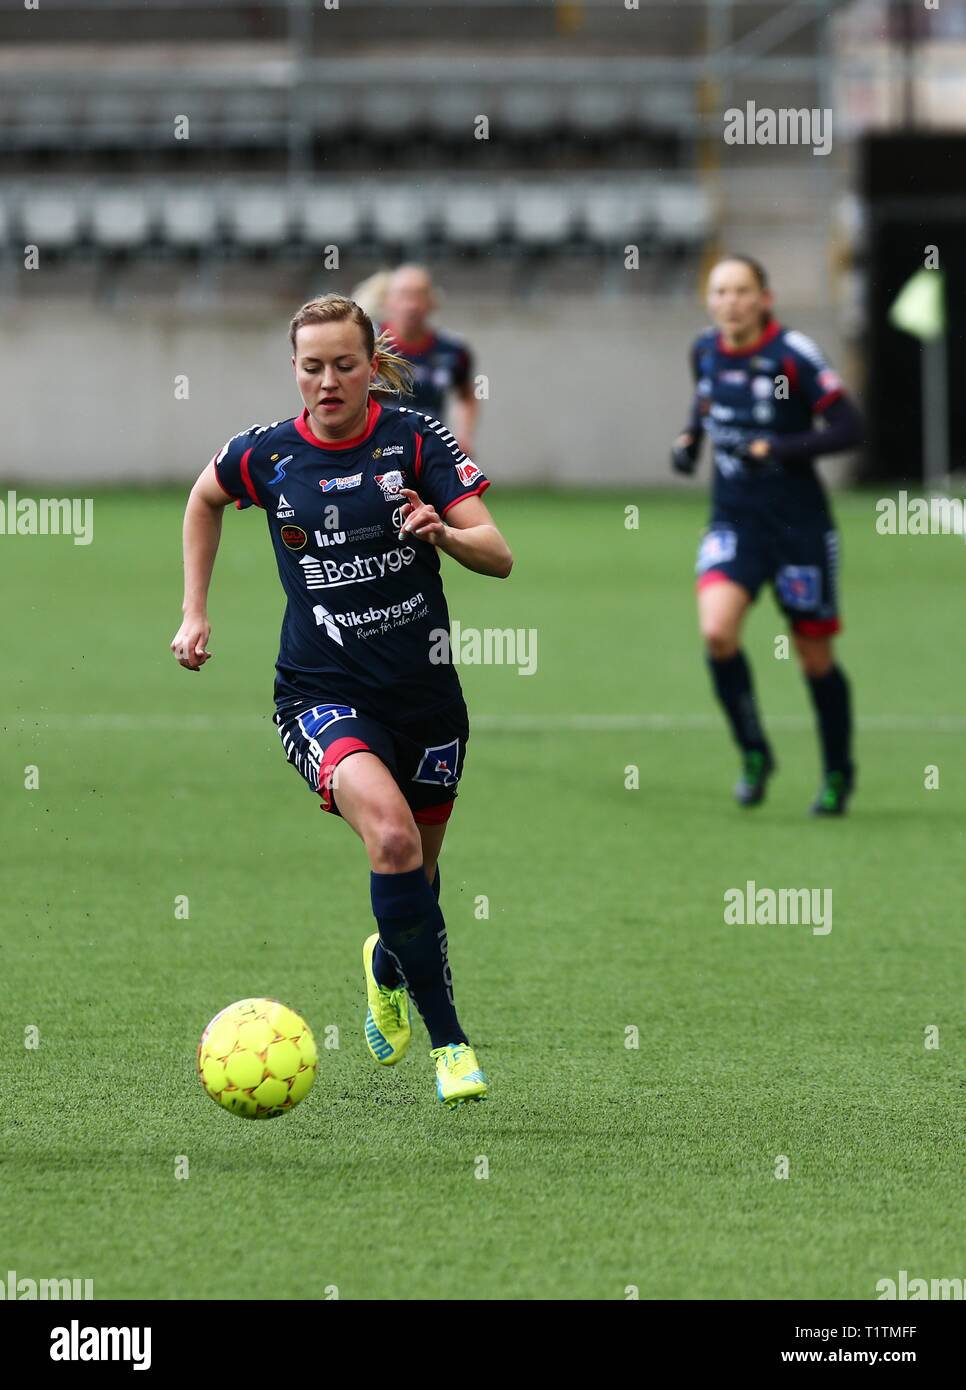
{"x": 717, "y": 548}
{"x": 438, "y": 765}
{"x": 293, "y": 537}
{"x": 314, "y": 720}
{"x": 799, "y": 586}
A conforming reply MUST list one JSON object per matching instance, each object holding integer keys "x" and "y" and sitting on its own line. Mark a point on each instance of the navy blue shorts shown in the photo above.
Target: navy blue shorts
{"x": 800, "y": 562}
{"x": 424, "y": 754}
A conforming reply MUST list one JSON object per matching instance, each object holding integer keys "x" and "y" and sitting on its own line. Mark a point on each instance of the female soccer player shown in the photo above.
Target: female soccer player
{"x": 360, "y": 498}
{"x": 759, "y": 387}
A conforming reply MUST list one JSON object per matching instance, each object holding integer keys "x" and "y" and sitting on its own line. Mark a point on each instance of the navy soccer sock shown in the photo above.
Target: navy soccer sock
{"x": 733, "y": 686}
{"x": 384, "y": 968}
{"x": 833, "y": 708}
{"x": 413, "y": 932}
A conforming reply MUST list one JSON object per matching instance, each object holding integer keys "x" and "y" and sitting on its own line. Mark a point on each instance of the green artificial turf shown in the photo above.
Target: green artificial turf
{"x": 609, "y": 1166}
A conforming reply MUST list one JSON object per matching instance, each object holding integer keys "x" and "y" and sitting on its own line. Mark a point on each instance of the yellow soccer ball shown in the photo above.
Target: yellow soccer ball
{"x": 257, "y": 1058}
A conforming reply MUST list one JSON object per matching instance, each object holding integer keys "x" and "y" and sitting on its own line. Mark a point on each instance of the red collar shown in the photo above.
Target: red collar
{"x": 417, "y": 345}
{"x": 771, "y": 331}
{"x": 301, "y": 423}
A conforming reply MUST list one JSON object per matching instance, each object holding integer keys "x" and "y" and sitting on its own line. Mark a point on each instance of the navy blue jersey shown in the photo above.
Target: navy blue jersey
{"x": 440, "y": 364}
{"x": 361, "y": 603}
{"x": 773, "y": 387}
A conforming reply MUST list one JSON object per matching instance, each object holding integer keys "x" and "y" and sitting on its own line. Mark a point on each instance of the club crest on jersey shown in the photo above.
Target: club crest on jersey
{"x": 340, "y": 484}
{"x": 468, "y": 472}
{"x": 439, "y": 765}
{"x": 391, "y": 484}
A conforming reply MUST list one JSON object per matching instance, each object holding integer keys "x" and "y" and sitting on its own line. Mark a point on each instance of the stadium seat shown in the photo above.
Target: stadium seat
{"x": 612, "y": 212}
{"x": 331, "y": 214}
{"x": 400, "y": 214}
{"x": 452, "y": 111}
{"x": 542, "y": 216}
{"x": 391, "y": 111}
{"x": 51, "y": 219}
{"x": 43, "y": 118}
{"x": 683, "y": 212}
{"x": 112, "y": 119}
{"x": 259, "y": 216}
{"x": 189, "y": 217}
{"x": 528, "y": 111}
{"x": 470, "y": 216}
{"x": 597, "y": 110}
{"x": 120, "y": 218}
{"x": 250, "y": 118}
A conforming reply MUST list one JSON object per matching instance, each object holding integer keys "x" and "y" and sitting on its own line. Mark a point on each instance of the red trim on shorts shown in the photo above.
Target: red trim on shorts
{"x": 475, "y": 493}
{"x": 771, "y": 332}
{"x": 247, "y": 478}
{"x": 301, "y": 423}
{"x": 434, "y": 815}
{"x": 710, "y": 577}
{"x": 816, "y": 627}
{"x": 418, "y": 463}
{"x": 333, "y": 756}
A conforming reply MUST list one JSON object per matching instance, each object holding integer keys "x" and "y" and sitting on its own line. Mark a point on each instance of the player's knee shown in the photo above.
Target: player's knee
{"x": 720, "y": 638}
{"x": 815, "y": 658}
{"x": 394, "y": 845}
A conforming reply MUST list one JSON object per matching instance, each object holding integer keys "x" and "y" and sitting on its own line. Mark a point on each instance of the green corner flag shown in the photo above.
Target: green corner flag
{"x": 920, "y": 306}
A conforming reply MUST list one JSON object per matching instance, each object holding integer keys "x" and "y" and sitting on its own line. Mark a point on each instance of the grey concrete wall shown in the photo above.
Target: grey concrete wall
{"x": 582, "y": 391}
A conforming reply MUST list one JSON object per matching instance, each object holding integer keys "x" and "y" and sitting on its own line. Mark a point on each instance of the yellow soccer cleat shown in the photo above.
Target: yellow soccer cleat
{"x": 388, "y": 1028}
{"x": 458, "y": 1075}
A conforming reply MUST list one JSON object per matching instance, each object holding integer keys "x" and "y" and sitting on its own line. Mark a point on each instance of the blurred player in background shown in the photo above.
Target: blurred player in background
{"x": 760, "y": 390}
{"x": 368, "y": 705}
{"x": 370, "y": 294}
{"x": 442, "y": 364}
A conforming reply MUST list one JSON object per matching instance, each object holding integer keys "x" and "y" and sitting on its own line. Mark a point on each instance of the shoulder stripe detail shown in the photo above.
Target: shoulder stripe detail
{"x": 801, "y": 343}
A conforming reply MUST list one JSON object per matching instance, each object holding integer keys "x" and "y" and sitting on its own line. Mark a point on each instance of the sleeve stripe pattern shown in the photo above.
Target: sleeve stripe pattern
{"x": 448, "y": 439}
{"x": 800, "y": 342}
{"x": 439, "y": 428}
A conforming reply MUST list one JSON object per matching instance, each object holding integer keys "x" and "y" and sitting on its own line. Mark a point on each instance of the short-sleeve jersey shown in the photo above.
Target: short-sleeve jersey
{"x": 441, "y": 363}
{"x": 774, "y": 386}
{"x": 362, "y": 605}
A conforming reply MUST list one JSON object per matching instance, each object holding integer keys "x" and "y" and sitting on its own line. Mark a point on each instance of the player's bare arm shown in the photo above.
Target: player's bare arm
{"x": 469, "y": 534}
{"x": 202, "y": 532}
